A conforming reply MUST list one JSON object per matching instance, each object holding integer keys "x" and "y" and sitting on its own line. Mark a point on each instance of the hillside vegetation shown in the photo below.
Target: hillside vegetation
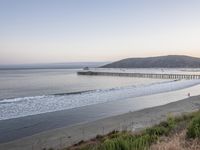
{"x": 171, "y": 61}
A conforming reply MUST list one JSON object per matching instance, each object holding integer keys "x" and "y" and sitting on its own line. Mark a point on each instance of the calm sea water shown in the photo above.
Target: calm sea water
{"x": 23, "y": 83}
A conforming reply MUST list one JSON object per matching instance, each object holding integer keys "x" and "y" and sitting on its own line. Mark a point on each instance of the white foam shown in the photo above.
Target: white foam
{"x": 11, "y": 100}
{"x": 19, "y": 107}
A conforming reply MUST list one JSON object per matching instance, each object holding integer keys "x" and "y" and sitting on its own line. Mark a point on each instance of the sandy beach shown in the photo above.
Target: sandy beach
{"x": 62, "y": 137}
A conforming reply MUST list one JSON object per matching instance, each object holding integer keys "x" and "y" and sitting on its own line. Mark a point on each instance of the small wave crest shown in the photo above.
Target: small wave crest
{"x": 20, "y": 99}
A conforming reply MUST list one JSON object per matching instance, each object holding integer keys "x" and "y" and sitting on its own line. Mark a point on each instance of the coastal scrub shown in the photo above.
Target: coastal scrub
{"x": 181, "y": 132}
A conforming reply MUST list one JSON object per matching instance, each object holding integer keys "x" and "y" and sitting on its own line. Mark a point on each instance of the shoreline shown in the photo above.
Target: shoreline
{"x": 66, "y": 136}
{"x": 18, "y": 128}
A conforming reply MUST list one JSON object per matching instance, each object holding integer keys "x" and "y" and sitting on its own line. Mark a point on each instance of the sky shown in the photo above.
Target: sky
{"x": 48, "y": 31}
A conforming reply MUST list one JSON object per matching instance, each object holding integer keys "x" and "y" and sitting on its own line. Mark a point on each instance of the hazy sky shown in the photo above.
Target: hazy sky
{"x": 41, "y": 31}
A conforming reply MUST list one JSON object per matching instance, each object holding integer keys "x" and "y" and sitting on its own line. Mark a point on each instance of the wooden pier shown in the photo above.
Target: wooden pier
{"x": 141, "y": 75}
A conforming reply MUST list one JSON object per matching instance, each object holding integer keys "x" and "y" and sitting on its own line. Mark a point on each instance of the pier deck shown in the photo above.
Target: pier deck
{"x": 141, "y": 75}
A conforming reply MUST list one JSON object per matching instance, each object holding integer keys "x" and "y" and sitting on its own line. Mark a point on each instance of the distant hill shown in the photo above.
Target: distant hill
{"x": 171, "y": 61}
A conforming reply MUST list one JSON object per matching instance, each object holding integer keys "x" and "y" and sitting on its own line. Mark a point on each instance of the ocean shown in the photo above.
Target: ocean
{"x": 36, "y": 91}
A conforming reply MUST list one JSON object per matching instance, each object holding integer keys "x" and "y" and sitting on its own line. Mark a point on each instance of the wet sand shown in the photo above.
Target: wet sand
{"x": 65, "y": 136}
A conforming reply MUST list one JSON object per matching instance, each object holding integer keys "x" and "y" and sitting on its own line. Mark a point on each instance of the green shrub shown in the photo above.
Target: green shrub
{"x": 163, "y": 128}
{"x": 193, "y": 130}
{"x": 171, "y": 122}
{"x": 127, "y": 142}
{"x": 156, "y": 131}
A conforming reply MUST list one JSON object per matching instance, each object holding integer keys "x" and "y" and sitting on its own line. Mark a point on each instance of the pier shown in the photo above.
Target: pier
{"x": 141, "y": 75}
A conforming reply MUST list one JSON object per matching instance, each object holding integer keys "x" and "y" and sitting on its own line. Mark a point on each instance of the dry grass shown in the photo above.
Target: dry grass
{"x": 177, "y": 142}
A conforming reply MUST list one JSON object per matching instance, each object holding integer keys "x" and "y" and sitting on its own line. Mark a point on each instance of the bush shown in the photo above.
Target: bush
{"x": 193, "y": 130}
{"x": 127, "y": 142}
{"x": 157, "y": 131}
{"x": 163, "y": 128}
